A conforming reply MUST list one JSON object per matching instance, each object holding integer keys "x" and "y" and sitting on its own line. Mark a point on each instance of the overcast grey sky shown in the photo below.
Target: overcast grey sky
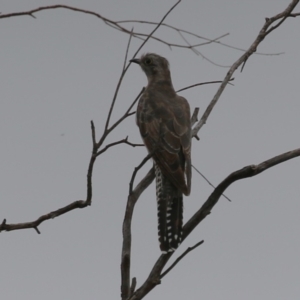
{"x": 60, "y": 70}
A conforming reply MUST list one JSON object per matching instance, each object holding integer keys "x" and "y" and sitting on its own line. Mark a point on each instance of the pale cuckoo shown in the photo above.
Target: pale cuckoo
{"x": 164, "y": 120}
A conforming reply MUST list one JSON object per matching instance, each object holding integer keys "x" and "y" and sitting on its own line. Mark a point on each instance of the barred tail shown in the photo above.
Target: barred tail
{"x": 169, "y": 212}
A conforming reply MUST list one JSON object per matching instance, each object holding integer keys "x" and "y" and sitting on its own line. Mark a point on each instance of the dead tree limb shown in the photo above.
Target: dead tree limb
{"x": 266, "y": 29}
{"x": 249, "y": 171}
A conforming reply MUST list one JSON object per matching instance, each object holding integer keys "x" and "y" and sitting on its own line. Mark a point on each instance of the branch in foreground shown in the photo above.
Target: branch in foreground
{"x": 243, "y": 59}
{"x": 179, "y": 258}
{"x": 249, "y": 171}
{"x": 246, "y": 172}
{"x": 126, "y": 247}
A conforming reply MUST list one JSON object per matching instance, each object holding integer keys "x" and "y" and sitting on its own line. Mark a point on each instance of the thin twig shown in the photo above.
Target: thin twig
{"x": 136, "y": 169}
{"x": 156, "y": 27}
{"x": 188, "y": 250}
{"x": 133, "y": 285}
{"x": 194, "y": 117}
{"x": 124, "y": 70}
{"x": 126, "y": 54}
{"x": 208, "y": 181}
{"x": 201, "y": 83}
{"x": 93, "y": 133}
{"x": 123, "y": 141}
{"x": 209, "y": 41}
{"x": 127, "y": 113}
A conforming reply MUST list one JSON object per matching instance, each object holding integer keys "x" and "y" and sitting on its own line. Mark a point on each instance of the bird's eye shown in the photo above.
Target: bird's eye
{"x": 148, "y": 61}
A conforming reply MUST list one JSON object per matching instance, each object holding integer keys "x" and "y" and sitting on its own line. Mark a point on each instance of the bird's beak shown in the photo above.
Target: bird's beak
{"x": 136, "y": 60}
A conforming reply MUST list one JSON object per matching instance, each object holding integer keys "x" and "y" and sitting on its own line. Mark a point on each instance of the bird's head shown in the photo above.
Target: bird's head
{"x": 156, "y": 67}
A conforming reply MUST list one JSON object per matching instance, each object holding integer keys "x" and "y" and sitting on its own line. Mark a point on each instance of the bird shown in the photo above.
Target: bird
{"x": 164, "y": 122}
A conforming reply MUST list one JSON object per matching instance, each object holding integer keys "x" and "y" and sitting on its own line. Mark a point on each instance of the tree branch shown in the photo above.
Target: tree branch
{"x": 123, "y": 141}
{"x": 201, "y": 83}
{"x": 208, "y": 181}
{"x": 116, "y": 25}
{"x": 49, "y": 216}
{"x": 188, "y": 250}
{"x": 208, "y": 41}
{"x": 126, "y": 247}
{"x": 242, "y": 60}
{"x": 246, "y": 172}
{"x": 124, "y": 70}
{"x": 249, "y": 171}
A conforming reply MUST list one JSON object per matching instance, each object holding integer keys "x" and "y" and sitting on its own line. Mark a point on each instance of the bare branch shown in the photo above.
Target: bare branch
{"x": 262, "y": 34}
{"x": 115, "y": 24}
{"x": 208, "y": 181}
{"x": 126, "y": 247}
{"x": 188, "y": 250}
{"x": 248, "y": 171}
{"x": 91, "y": 166}
{"x": 126, "y": 55}
{"x": 49, "y": 216}
{"x": 127, "y": 113}
{"x": 65, "y": 209}
{"x": 133, "y": 285}
{"x": 194, "y": 117}
{"x": 156, "y": 27}
{"x": 209, "y": 41}
{"x": 123, "y": 141}
{"x": 137, "y": 169}
{"x": 96, "y": 146}
{"x": 124, "y": 70}
{"x": 93, "y": 134}
{"x": 201, "y": 83}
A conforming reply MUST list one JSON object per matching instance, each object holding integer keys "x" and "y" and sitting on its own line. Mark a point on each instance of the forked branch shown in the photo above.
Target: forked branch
{"x": 246, "y": 172}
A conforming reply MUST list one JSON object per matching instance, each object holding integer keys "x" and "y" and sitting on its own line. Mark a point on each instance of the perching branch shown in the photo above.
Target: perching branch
{"x": 249, "y": 171}
{"x": 126, "y": 247}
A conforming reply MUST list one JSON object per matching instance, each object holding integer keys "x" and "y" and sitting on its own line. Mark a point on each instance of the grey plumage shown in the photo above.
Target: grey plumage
{"x": 163, "y": 118}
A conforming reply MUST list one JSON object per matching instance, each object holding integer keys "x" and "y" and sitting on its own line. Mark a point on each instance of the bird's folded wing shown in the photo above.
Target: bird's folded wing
{"x": 167, "y": 130}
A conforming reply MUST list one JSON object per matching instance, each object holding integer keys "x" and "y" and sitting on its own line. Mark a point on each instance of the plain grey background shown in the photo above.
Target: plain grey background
{"x": 60, "y": 70}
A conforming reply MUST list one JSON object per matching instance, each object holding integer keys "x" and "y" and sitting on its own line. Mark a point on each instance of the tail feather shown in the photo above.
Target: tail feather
{"x": 169, "y": 212}
{"x": 175, "y": 218}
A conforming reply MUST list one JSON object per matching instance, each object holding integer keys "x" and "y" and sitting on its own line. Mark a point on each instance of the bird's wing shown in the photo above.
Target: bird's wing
{"x": 166, "y": 129}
